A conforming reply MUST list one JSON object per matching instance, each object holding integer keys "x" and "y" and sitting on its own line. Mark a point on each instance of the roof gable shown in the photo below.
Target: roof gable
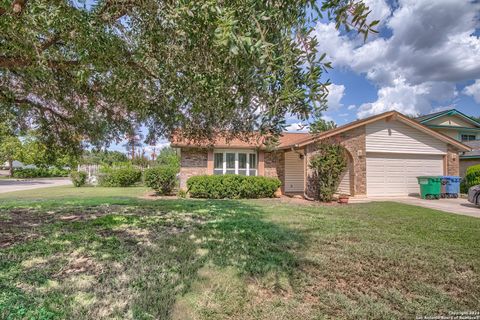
{"x": 436, "y": 119}
{"x": 390, "y": 115}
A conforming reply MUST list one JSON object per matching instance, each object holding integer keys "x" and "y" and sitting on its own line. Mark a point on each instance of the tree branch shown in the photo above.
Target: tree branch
{"x": 18, "y": 63}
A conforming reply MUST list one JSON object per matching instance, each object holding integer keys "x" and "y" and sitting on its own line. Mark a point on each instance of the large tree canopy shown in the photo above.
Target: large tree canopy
{"x": 89, "y": 72}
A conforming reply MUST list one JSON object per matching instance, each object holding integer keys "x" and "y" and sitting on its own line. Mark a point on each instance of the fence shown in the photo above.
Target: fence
{"x": 93, "y": 169}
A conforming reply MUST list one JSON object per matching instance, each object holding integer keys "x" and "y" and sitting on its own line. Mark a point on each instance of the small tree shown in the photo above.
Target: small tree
{"x": 168, "y": 157}
{"x": 328, "y": 164}
{"x": 134, "y": 141}
{"x": 10, "y": 150}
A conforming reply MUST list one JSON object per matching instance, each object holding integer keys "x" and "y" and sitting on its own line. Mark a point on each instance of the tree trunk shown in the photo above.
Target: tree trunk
{"x": 10, "y": 169}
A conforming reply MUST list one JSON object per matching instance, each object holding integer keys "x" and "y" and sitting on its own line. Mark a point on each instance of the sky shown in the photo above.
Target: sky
{"x": 425, "y": 58}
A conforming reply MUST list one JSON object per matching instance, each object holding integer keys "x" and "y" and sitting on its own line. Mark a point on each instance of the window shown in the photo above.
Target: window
{"x": 469, "y": 137}
{"x": 253, "y": 164}
{"x": 242, "y": 164}
{"x": 218, "y": 163}
{"x": 231, "y": 162}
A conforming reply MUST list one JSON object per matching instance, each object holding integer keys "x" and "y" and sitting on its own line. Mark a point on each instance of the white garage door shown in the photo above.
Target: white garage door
{"x": 396, "y": 174}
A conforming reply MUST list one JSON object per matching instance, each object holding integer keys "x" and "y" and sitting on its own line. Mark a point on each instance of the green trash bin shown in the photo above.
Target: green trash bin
{"x": 430, "y": 187}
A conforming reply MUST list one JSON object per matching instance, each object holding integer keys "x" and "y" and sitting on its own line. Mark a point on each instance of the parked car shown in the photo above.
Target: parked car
{"x": 474, "y": 195}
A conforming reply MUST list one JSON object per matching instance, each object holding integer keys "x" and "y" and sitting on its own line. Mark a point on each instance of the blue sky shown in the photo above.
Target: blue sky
{"x": 425, "y": 58}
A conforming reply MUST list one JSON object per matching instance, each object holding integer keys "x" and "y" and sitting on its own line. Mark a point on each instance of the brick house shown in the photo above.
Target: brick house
{"x": 385, "y": 152}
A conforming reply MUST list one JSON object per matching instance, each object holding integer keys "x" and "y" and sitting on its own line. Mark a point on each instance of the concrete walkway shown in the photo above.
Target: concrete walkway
{"x": 7, "y": 185}
{"x": 456, "y": 206}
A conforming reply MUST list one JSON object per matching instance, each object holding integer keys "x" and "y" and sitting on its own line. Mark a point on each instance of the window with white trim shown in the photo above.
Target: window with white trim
{"x": 242, "y": 162}
{"x": 468, "y": 137}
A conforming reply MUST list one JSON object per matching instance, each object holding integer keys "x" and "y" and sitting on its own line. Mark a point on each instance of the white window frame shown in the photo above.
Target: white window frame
{"x": 468, "y": 135}
{"x": 236, "y": 152}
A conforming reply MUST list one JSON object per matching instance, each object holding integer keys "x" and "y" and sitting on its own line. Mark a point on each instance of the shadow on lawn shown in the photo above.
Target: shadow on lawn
{"x": 232, "y": 233}
{"x": 157, "y": 247}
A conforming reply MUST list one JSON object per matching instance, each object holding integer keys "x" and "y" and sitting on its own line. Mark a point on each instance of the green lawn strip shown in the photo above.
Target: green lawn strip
{"x": 61, "y": 192}
{"x": 107, "y": 257}
{"x": 158, "y": 246}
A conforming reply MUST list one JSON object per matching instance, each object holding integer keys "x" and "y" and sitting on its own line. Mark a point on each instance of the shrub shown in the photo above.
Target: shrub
{"x": 79, "y": 178}
{"x": 119, "y": 177}
{"x": 472, "y": 177}
{"x": 28, "y": 173}
{"x": 182, "y": 193}
{"x": 161, "y": 179}
{"x": 328, "y": 164}
{"x": 232, "y": 187}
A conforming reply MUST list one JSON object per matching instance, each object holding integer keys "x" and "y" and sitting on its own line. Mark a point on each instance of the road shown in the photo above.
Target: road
{"x": 8, "y": 185}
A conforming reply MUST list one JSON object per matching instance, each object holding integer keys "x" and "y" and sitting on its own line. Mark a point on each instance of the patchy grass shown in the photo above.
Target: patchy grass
{"x": 107, "y": 254}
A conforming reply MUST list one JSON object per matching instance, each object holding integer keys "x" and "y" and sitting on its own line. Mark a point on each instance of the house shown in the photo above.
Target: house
{"x": 17, "y": 164}
{"x": 386, "y": 153}
{"x": 461, "y": 127}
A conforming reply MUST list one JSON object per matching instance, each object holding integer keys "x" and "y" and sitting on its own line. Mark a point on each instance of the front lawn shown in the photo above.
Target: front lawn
{"x": 99, "y": 253}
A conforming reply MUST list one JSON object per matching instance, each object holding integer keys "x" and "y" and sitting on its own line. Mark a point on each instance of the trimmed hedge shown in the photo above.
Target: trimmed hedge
{"x": 26, "y": 173}
{"x": 232, "y": 187}
{"x": 472, "y": 177}
{"x": 161, "y": 179}
{"x": 119, "y": 177}
{"x": 79, "y": 178}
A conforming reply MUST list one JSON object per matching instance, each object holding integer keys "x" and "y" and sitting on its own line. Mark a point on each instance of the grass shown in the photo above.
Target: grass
{"x": 94, "y": 253}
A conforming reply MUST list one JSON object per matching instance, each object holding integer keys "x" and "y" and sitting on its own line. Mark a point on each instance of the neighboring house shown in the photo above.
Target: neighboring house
{"x": 461, "y": 127}
{"x": 386, "y": 153}
{"x": 17, "y": 164}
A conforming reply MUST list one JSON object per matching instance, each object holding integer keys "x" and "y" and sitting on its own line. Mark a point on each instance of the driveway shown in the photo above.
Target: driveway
{"x": 457, "y": 206}
{"x": 19, "y": 185}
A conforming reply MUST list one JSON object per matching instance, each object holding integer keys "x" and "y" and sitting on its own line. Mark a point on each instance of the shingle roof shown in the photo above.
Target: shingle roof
{"x": 289, "y": 139}
{"x": 254, "y": 141}
{"x": 431, "y": 115}
{"x": 385, "y": 115}
{"x": 475, "y": 145}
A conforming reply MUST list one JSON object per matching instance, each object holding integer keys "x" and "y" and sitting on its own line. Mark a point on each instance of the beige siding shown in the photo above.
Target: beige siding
{"x": 454, "y": 121}
{"x": 294, "y": 172}
{"x": 396, "y": 137}
{"x": 344, "y": 187}
{"x": 452, "y": 133}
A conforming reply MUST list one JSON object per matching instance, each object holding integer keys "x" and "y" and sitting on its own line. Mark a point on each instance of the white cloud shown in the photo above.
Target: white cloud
{"x": 407, "y": 99}
{"x": 335, "y": 94}
{"x": 473, "y": 90}
{"x": 297, "y": 127}
{"x": 351, "y": 107}
{"x": 159, "y": 146}
{"x": 380, "y": 10}
{"x": 433, "y": 45}
{"x": 327, "y": 118}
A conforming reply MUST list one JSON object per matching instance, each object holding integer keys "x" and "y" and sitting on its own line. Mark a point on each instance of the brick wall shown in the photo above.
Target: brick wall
{"x": 354, "y": 142}
{"x": 453, "y": 162}
{"x": 274, "y": 166}
{"x": 193, "y": 163}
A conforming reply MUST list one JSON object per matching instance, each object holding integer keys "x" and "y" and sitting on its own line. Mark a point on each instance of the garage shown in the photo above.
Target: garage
{"x": 396, "y": 174}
